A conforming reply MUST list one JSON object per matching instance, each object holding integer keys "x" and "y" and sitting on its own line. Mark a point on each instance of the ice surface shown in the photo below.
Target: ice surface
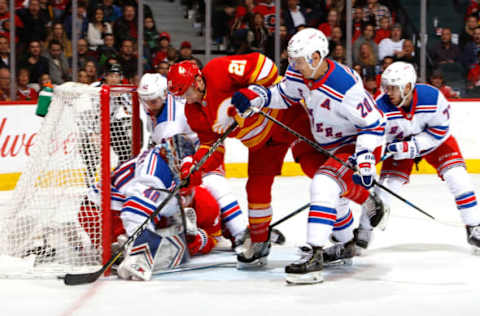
{"x": 417, "y": 266}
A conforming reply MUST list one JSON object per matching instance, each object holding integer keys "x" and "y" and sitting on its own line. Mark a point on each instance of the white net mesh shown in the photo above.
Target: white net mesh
{"x": 49, "y": 227}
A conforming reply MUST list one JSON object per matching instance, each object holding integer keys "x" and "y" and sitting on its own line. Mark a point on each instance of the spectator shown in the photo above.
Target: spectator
{"x": 172, "y": 55}
{"x": 357, "y": 22}
{"x": 151, "y": 35}
{"x": 185, "y": 53}
{"x": 373, "y": 8}
{"x": 368, "y": 33}
{"x": 34, "y": 62}
{"x": 473, "y": 77}
{"x": 161, "y": 53}
{"x": 386, "y": 61}
{"x": 44, "y": 81}
{"x": 259, "y": 33}
{"x": 243, "y": 15}
{"x": 370, "y": 82}
{"x": 336, "y": 38}
{"x": 359, "y": 69}
{"x": 85, "y": 54}
{"x": 57, "y": 63}
{"x": 113, "y": 75}
{"x": 4, "y": 52}
{"x": 222, "y": 23}
{"x": 91, "y": 69}
{"x": 467, "y": 34}
{"x": 366, "y": 56}
{"x": 240, "y": 44}
{"x": 471, "y": 49}
{"x": 34, "y": 23}
{"x": 407, "y": 54}
{"x": 97, "y": 29}
{"x": 83, "y": 77}
{"x": 127, "y": 58}
{"x": 162, "y": 68}
{"x": 111, "y": 11}
{"x": 333, "y": 19}
{"x": 59, "y": 7}
{"x": 384, "y": 30}
{"x": 5, "y": 17}
{"x": 126, "y": 27}
{"x": 294, "y": 16}
{"x": 46, "y": 10}
{"x": 390, "y": 46}
{"x": 147, "y": 11}
{"x": 267, "y": 9}
{"x": 436, "y": 79}
{"x": 446, "y": 51}
{"x": 339, "y": 54}
{"x": 4, "y": 84}
{"x": 57, "y": 32}
{"x": 24, "y": 92}
{"x": 107, "y": 50}
{"x": 81, "y": 20}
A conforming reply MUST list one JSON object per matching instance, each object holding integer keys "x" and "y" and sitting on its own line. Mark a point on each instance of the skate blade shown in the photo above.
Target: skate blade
{"x": 340, "y": 262}
{"x": 305, "y": 278}
{"x": 258, "y": 264}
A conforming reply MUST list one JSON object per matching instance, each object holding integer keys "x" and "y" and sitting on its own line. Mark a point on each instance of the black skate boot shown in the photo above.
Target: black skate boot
{"x": 254, "y": 257}
{"x": 339, "y": 254}
{"x": 374, "y": 208}
{"x": 473, "y": 238}
{"x": 307, "y": 270}
{"x": 362, "y": 237}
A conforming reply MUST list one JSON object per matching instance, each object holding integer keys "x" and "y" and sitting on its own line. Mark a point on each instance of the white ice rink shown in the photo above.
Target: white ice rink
{"x": 416, "y": 267}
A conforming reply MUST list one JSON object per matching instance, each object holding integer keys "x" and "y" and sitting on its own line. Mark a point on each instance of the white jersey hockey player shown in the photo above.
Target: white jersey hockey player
{"x": 418, "y": 128}
{"x": 345, "y": 121}
{"x": 167, "y": 118}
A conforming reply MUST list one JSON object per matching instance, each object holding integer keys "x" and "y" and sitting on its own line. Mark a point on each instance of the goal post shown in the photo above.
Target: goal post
{"x": 59, "y": 218}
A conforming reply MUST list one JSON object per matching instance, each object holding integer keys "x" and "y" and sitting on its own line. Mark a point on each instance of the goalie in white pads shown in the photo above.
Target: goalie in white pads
{"x": 418, "y": 128}
{"x": 345, "y": 121}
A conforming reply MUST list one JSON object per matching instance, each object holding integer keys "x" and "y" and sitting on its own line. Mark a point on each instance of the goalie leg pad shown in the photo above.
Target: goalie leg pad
{"x": 151, "y": 252}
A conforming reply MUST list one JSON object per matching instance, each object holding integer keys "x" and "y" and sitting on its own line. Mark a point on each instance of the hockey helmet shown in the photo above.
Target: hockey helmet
{"x": 152, "y": 86}
{"x": 306, "y": 42}
{"x": 181, "y": 76}
{"x": 399, "y": 74}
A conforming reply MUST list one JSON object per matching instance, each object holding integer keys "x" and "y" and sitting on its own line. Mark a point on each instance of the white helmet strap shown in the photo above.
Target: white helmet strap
{"x": 403, "y": 96}
{"x": 315, "y": 69}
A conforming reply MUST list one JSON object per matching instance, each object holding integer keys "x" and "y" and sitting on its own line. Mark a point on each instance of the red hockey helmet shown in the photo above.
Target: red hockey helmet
{"x": 181, "y": 76}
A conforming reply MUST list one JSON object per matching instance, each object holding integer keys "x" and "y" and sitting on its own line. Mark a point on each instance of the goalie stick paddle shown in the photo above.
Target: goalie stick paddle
{"x": 84, "y": 278}
{"x": 325, "y": 152}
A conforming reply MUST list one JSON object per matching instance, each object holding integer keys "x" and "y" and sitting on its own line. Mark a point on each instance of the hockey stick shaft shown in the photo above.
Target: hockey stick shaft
{"x": 330, "y": 155}
{"x": 84, "y": 278}
{"x": 283, "y": 219}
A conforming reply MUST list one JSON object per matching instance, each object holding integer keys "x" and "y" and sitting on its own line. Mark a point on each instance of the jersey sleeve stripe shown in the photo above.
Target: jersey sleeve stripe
{"x": 265, "y": 70}
{"x": 286, "y": 99}
{"x": 330, "y": 95}
{"x": 258, "y": 68}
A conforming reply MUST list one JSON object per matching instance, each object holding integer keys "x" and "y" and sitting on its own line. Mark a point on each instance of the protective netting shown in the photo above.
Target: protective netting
{"x": 49, "y": 227}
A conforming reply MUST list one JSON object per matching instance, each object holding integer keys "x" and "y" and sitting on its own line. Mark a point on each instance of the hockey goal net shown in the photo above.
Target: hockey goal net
{"x": 49, "y": 227}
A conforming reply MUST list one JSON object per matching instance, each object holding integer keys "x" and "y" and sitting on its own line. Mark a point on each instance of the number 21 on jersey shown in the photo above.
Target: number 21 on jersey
{"x": 237, "y": 67}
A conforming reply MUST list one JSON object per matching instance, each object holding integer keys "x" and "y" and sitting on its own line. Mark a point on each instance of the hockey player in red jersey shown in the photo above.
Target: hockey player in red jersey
{"x": 209, "y": 113}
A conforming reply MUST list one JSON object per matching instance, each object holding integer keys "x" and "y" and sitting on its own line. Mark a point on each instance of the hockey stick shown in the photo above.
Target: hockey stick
{"x": 327, "y": 153}
{"x": 283, "y": 219}
{"x": 84, "y": 278}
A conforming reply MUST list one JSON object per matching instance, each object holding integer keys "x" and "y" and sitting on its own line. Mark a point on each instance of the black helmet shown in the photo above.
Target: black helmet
{"x": 114, "y": 68}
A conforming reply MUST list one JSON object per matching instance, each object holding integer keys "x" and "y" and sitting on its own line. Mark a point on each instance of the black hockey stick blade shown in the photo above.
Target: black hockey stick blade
{"x": 283, "y": 219}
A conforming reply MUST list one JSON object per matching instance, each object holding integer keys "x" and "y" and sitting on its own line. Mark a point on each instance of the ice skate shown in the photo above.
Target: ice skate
{"x": 254, "y": 257}
{"x": 362, "y": 237}
{"x": 339, "y": 254}
{"x": 308, "y": 269}
{"x": 374, "y": 208}
{"x": 473, "y": 238}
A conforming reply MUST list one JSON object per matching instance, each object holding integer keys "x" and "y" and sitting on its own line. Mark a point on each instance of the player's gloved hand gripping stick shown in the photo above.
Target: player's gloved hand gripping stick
{"x": 84, "y": 278}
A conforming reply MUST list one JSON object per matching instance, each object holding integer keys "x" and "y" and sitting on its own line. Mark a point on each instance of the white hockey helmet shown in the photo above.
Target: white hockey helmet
{"x": 152, "y": 86}
{"x": 306, "y": 42}
{"x": 400, "y": 74}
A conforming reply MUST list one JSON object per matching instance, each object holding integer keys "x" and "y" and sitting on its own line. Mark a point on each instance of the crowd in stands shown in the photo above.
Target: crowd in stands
{"x": 108, "y": 34}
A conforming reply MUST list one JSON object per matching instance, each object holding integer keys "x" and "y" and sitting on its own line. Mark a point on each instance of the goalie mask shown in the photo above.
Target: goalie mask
{"x": 174, "y": 149}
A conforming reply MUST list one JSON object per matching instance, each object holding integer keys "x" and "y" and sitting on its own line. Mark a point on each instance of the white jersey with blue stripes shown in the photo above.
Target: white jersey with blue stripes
{"x": 427, "y": 118}
{"x": 170, "y": 121}
{"x": 341, "y": 111}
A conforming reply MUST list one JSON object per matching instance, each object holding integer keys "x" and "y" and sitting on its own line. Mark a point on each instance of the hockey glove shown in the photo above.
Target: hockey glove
{"x": 403, "y": 150}
{"x": 253, "y": 98}
{"x": 195, "y": 178}
{"x": 365, "y": 162}
{"x": 200, "y": 243}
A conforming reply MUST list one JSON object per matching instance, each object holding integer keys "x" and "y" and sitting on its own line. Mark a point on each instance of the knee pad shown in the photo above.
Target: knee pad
{"x": 217, "y": 185}
{"x": 325, "y": 191}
